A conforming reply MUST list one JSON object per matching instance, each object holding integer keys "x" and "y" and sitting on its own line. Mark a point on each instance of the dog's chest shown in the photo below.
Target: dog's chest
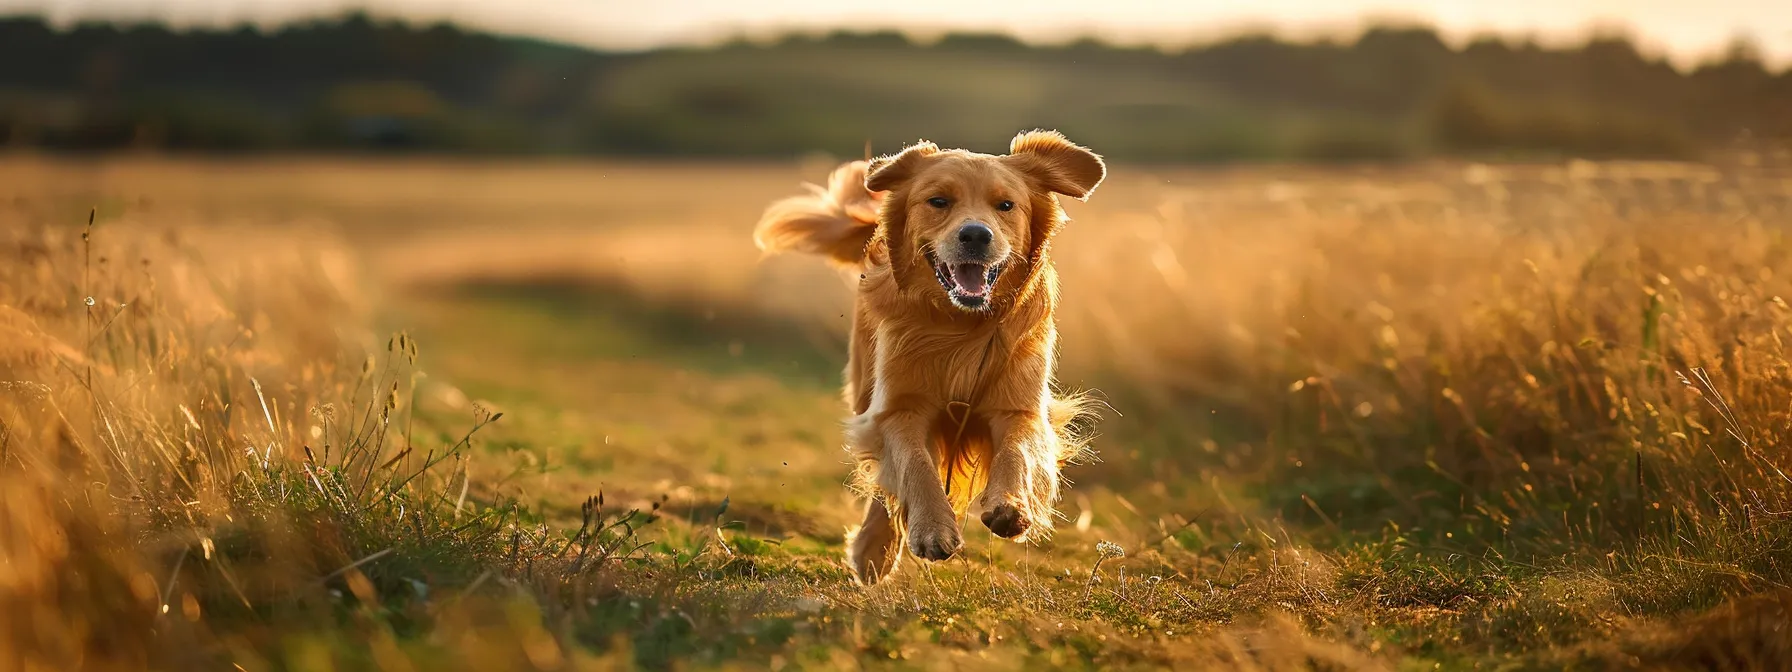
{"x": 942, "y": 367}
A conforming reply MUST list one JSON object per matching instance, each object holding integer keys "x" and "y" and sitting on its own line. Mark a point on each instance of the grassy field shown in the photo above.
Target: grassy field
{"x": 327, "y": 414}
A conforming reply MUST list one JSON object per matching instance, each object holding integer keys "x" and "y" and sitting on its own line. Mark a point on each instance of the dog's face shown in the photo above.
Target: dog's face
{"x": 967, "y": 215}
{"x": 971, "y": 219}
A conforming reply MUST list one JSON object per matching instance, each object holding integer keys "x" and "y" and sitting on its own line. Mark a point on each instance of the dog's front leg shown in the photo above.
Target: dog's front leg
{"x": 909, "y": 474}
{"x": 1023, "y": 475}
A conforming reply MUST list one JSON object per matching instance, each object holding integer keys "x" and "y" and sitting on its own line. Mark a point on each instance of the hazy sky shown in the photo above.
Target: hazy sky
{"x": 1687, "y": 30}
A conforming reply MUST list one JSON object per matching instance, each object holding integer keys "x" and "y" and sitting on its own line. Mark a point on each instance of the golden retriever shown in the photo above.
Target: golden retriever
{"x": 949, "y": 373}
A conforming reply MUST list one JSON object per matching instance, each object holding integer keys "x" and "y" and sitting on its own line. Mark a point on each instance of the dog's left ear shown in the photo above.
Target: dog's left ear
{"x": 1059, "y": 165}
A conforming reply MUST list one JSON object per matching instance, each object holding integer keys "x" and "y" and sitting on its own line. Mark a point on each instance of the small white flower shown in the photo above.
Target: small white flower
{"x": 1108, "y": 550}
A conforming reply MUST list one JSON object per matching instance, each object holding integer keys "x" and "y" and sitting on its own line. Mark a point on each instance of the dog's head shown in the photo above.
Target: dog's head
{"x": 979, "y": 224}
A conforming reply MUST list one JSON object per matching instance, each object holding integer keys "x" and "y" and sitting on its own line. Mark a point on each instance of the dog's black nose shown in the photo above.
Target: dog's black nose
{"x": 975, "y": 235}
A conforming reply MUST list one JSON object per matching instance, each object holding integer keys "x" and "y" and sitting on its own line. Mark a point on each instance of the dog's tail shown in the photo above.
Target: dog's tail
{"x": 835, "y": 222}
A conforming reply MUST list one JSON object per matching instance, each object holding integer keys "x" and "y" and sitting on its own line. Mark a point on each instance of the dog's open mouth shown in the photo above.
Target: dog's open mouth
{"x": 968, "y": 284}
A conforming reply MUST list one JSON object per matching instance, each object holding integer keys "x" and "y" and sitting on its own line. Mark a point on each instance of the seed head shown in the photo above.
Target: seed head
{"x": 1109, "y": 550}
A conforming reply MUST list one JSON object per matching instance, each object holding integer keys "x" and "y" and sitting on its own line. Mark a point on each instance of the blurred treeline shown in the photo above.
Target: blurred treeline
{"x": 356, "y": 83}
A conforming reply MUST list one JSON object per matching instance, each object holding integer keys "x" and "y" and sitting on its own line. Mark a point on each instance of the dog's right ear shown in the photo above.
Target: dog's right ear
{"x": 889, "y": 172}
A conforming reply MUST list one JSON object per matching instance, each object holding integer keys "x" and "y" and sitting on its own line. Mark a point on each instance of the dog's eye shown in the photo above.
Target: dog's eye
{"x": 1005, "y": 206}
{"x": 939, "y": 201}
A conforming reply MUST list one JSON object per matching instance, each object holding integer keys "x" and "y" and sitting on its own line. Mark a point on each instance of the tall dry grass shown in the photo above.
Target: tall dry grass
{"x": 1569, "y": 381}
{"x": 131, "y": 426}
{"x": 199, "y": 468}
{"x": 1513, "y": 343}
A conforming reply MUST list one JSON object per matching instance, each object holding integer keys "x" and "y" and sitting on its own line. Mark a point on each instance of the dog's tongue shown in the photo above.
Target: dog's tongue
{"x": 971, "y": 278}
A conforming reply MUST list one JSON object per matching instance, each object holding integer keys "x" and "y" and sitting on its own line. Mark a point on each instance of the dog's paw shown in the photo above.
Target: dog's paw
{"x": 935, "y": 541}
{"x": 1006, "y": 521}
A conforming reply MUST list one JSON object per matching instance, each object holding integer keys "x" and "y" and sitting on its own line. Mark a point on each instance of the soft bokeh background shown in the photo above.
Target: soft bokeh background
{"x": 1363, "y": 90}
{"x": 1434, "y": 335}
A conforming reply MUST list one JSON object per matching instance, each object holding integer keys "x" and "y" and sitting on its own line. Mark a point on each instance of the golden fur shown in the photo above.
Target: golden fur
{"x": 949, "y": 378}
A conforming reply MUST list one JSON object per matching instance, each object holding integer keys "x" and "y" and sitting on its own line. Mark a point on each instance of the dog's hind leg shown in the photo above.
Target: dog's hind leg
{"x": 873, "y": 551}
